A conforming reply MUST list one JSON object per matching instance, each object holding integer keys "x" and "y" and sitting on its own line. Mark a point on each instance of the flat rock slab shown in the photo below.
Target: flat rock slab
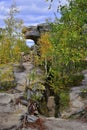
{"x": 61, "y": 124}
{"x": 6, "y": 108}
{"x": 9, "y": 112}
{"x": 8, "y": 120}
{"x": 5, "y": 98}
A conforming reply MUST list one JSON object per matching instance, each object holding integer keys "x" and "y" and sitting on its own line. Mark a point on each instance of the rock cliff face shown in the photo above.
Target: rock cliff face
{"x": 34, "y": 32}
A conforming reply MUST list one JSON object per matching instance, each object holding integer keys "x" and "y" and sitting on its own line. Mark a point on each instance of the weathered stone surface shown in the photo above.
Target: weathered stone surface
{"x": 9, "y": 111}
{"x": 61, "y": 124}
{"x": 5, "y": 98}
{"x": 77, "y": 102}
{"x": 51, "y": 106}
{"x": 21, "y": 80}
{"x": 28, "y": 66}
{"x": 18, "y": 68}
{"x": 8, "y": 121}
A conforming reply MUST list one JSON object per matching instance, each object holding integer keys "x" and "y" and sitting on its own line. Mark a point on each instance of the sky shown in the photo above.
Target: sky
{"x": 32, "y": 12}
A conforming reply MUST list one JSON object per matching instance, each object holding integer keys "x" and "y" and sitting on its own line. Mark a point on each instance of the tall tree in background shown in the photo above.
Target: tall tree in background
{"x": 68, "y": 37}
{"x": 12, "y": 23}
{"x": 12, "y": 41}
{"x": 69, "y": 41}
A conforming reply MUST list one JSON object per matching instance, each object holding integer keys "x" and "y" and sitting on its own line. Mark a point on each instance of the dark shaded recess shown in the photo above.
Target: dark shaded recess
{"x": 50, "y": 92}
{"x": 57, "y": 105}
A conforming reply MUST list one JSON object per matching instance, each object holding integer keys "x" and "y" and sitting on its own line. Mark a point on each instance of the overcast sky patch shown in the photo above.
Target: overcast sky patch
{"x": 31, "y": 11}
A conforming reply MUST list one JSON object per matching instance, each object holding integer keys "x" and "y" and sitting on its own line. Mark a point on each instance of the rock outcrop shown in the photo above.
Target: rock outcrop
{"x": 78, "y": 99}
{"x": 11, "y": 109}
{"x": 10, "y": 112}
{"x": 34, "y": 32}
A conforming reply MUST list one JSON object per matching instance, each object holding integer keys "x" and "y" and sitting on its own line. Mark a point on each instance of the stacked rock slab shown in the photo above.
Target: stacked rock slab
{"x": 34, "y": 32}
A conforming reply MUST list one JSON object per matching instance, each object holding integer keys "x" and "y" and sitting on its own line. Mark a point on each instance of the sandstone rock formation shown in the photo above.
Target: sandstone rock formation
{"x": 34, "y": 32}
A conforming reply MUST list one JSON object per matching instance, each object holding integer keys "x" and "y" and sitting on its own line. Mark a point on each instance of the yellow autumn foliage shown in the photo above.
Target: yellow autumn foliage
{"x": 45, "y": 46}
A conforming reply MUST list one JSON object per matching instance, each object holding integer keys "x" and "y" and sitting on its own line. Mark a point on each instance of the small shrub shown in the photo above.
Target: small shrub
{"x": 83, "y": 93}
{"x": 75, "y": 80}
{"x": 64, "y": 100}
{"x": 6, "y": 85}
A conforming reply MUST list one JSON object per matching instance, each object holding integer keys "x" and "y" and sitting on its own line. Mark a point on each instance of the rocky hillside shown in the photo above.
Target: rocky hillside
{"x": 13, "y": 106}
{"x": 14, "y": 112}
